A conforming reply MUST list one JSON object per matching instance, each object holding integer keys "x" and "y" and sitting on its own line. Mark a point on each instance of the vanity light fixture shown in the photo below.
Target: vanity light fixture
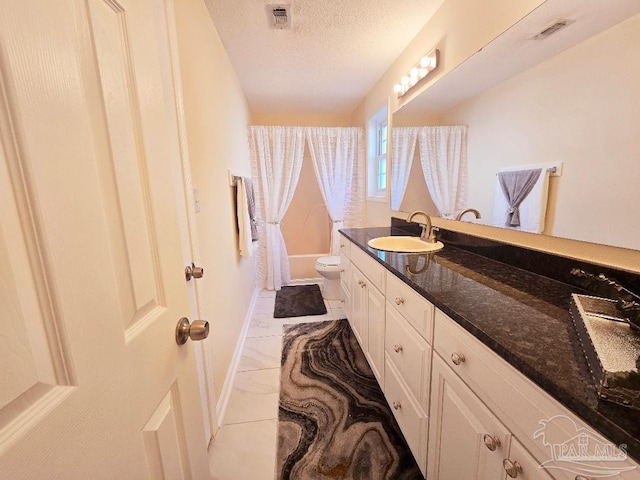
{"x": 417, "y": 73}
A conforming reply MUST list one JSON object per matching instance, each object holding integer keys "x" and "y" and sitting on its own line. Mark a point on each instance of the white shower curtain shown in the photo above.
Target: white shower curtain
{"x": 443, "y": 155}
{"x": 334, "y": 153}
{"x": 276, "y": 160}
{"x": 403, "y": 146}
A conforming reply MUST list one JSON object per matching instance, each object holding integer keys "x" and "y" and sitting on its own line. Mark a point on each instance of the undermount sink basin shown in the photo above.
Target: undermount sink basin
{"x": 404, "y": 244}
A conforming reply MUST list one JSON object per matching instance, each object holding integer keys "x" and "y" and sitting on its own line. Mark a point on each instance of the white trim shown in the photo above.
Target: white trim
{"x": 305, "y": 281}
{"x": 227, "y": 386}
{"x": 372, "y": 192}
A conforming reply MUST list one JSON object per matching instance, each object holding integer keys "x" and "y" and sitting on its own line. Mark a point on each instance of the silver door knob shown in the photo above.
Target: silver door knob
{"x": 198, "y": 330}
{"x": 191, "y": 271}
{"x": 512, "y": 468}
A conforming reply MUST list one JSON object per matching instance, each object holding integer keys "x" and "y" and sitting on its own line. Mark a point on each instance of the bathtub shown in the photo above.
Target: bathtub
{"x": 303, "y": 267}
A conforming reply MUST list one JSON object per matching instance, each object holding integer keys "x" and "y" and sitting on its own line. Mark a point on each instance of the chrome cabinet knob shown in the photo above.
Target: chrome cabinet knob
{"x": 396, "y": 405}
{"x": 457, "y": 358}
{"x": 399, "y": 300}
{"x": 512, "y": 468}
{"x": 491, "y": 442}
{"x": 191, "y": 271}
{"x": 397, "y": 347}
{"x": 198, "y": 330}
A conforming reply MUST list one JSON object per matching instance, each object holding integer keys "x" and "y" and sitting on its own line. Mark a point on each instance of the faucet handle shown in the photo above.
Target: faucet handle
{"x": 432, "y": 234}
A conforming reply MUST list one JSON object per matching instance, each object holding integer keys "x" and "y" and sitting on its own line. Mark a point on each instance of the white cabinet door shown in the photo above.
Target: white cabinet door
{"x": 462, "y": 432}
{"x": 376, "y": 328}
{"x": 92, "y": 382}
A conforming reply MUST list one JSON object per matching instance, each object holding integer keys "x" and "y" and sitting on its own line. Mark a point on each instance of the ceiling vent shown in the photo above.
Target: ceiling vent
{"x": 279, "y": 16}
{"x": 556, "y": 27}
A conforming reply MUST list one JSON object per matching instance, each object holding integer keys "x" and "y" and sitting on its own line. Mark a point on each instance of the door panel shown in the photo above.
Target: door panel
{"x": 92, "y": 273}
{"x": 132, "y": 226}
{"x": 35, "y": 364}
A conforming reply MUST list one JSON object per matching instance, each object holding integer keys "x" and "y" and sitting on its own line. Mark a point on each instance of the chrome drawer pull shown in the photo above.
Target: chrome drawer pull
{"x": 397, "y": 348}
{"x": 491, "y": 442}
{"x": 399, "y": 300}
{"x": 457, "y": 358}
{"x": 397, "y": 405}
{"x": 512, "y": 468}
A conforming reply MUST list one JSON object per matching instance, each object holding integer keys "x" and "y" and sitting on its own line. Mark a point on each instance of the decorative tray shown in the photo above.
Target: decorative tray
{"x": 611, "y": 348}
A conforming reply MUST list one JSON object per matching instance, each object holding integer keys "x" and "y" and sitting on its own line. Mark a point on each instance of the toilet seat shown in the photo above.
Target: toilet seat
{"x": 328, "y": 262}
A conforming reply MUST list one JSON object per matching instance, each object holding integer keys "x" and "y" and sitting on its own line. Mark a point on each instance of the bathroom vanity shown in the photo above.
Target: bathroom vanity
{"x": 481, "y": 366}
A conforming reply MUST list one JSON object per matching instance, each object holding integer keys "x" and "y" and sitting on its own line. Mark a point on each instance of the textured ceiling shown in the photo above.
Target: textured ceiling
{"x": 333, "y": 54}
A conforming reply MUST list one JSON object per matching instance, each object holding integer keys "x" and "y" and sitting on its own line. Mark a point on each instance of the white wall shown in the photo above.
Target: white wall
{"x": 217, "y": 117}
{"x": 579, "y": 107}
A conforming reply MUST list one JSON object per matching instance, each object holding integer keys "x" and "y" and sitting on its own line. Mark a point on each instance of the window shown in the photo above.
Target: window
{"x": 377, "y": 189}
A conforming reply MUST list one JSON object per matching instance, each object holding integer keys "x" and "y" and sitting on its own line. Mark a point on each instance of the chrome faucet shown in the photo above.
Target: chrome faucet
{"x": 467, "y": 210}
{"x": 428, "y": 230}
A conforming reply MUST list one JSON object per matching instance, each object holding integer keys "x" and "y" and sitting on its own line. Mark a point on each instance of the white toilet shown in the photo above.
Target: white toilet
{"x": 329, "y": 268}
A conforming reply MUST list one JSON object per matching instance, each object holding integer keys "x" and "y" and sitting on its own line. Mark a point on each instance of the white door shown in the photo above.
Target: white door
{"x": 92, "y": 382}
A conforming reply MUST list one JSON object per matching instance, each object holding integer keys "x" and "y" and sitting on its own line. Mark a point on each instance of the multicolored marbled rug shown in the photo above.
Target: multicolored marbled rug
{"x": 334, "y": 422}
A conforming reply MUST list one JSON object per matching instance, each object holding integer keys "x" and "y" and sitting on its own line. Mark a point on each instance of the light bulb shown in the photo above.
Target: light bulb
{"x": 404, "y": 80}
{"x": 414, "y": 72}
{"x": 423, "y": 72}
{"x": 397, "y": 88}
{"x": 425, "y": 61}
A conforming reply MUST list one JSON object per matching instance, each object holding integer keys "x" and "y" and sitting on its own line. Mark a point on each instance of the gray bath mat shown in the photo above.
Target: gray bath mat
{"x": 298, "y": 301}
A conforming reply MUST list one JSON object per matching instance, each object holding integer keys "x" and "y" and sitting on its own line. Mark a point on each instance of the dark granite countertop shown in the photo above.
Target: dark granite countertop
{"x": 523, "y": 317}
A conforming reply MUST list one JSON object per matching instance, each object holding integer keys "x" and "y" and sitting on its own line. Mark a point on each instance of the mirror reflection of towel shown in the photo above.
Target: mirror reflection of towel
{"x": 516, "y": 186}
{"x": 531, "y": 188}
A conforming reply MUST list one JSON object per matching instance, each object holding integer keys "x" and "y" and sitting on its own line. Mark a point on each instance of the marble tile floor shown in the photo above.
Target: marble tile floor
{"x": 245, "y": 446}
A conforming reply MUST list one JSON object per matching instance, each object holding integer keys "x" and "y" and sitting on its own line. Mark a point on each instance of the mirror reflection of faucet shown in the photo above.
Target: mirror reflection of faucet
{"x": 468, "y": 210}
{"x": 412, "y": 267}
{"x": 428, "y": 230}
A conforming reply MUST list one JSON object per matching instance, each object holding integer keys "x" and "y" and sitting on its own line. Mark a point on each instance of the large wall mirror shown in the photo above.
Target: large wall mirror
{"x": 570, "y": 99}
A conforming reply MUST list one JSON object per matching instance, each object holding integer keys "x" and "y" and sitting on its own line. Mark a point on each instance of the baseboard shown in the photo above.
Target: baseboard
{"x": 227, "y": 387}
{"x": 305, "y": 281}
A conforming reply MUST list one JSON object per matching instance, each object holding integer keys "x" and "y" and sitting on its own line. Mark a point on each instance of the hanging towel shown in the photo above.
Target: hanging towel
{"x": 251, "y": 206}
{"x": 247, "y": 229}
{"x": 521, "y": 199}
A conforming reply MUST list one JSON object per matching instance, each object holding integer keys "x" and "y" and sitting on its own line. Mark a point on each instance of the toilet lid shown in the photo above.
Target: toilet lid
{"x": 329, "y": 261}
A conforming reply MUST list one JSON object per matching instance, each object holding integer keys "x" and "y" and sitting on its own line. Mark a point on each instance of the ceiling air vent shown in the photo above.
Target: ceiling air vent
{"x": 547, "y": 32}
{"x": 279, "y": 16}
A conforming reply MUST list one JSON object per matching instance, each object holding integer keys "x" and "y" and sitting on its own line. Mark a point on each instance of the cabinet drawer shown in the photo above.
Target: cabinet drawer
{"x": 415, "y": 308}
{"x": 367, "y": 265}
{"x": 409, "y": 353}
{"x": 517, "y": 401}
{"x": 411, "y": 418}
{"x": 345, "y": 246}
